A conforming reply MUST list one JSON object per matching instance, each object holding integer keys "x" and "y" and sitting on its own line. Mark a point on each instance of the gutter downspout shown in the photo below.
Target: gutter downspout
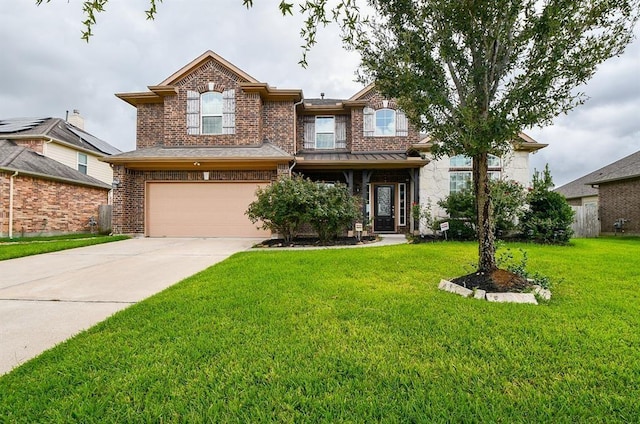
{"x": 295, "y": 135}
{"x": 15, "y": 174}
{"x": 295, "y": 126}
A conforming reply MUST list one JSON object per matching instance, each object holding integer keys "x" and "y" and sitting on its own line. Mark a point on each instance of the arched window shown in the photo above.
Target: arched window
{"x": 211, "y": 112}
{"x": 385, "y": 122}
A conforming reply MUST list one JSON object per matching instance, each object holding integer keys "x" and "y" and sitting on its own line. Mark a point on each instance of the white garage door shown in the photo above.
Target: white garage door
{"x": 203, "y": 209}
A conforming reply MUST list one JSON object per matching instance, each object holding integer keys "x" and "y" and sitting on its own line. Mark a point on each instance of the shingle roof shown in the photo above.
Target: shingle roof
{"x": 578, "y": 188}
{"x": 26, "y": 161}
{"x": 265, "y": 150}
{"x": 388, "y": 159}
{"x": 627, "y": 167}
{"x": 55, "y": 128}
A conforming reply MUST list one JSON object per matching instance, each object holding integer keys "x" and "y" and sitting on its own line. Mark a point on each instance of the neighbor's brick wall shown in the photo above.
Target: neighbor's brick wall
{"x": 620, "y": 200}
{"x": 128, "y": 216}
{"x": 48, "y": 207}
{"x": 35, "y": 145}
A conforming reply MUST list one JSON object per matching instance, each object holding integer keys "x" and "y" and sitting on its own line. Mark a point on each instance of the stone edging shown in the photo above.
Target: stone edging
{"x": 496, "y": 297}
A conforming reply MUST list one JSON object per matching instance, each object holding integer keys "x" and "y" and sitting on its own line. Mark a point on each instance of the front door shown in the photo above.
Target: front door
{"x": 384, "y": 218}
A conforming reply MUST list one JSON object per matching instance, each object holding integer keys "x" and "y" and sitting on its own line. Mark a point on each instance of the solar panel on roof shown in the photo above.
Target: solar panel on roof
{"x": 12, "y": 125}
{"x": 101, "y": 145}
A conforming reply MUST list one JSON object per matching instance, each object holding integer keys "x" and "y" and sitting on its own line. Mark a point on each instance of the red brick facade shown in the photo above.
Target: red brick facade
{"x": 46, "y": 207}
{"x": 262, "y": 114}
{"x": 620, "y": 200}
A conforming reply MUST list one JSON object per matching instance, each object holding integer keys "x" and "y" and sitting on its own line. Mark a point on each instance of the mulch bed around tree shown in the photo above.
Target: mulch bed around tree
{"x": 499, "y": 280}
{"x": 315, "y": 242}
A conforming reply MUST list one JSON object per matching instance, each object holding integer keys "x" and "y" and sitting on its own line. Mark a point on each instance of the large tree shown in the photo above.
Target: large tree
{"x": 471, "y": 73}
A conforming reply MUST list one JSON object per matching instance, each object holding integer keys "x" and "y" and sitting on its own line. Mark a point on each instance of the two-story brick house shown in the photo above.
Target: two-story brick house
{"x": 210, "y": 134}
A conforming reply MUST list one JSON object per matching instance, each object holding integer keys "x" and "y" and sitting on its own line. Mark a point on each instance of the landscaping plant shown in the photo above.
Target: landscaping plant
{"x": 549, "y": 217}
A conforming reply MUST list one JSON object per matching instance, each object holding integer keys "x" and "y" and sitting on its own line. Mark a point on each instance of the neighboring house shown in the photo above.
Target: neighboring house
{"x": 618, "y": 187}
{"x": 210, "y": 134}
{"x": 39, "y": 195}
{"x": 52, "y": 180}
{"x": 583, "y": 199}
{"x": 446, "y": 175}
{"x": 64, "y": 141}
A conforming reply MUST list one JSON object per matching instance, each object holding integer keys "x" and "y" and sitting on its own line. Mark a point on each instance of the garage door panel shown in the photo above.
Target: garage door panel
{"x": 201, "y": 210}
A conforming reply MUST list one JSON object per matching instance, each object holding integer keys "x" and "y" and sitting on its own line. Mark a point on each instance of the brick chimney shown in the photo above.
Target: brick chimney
{"x": 76, "y": 119}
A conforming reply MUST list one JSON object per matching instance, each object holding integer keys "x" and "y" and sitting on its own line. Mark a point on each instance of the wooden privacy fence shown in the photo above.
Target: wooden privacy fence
{"x": 104, "y": 219}
{"x": 585, "y": 221}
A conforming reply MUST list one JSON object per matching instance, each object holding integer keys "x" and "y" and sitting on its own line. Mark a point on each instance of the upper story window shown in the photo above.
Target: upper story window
{"x": 83, "y": 163}
{"x": 325, "y": 132}
{"x": 211, "y": 112}
{"x": 385, "y": 122}
{"x": 462, "y": 161}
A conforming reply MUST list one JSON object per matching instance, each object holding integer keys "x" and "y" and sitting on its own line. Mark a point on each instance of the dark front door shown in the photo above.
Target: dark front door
{"x": 384, "y": 208}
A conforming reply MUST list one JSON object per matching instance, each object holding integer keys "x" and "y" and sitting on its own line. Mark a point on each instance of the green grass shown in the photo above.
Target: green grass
{"x": 354, "y": 335}
{"x": 27, "y": 246}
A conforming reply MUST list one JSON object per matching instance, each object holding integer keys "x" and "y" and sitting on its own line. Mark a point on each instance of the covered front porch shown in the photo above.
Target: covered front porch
{"x": 387, "y": 182}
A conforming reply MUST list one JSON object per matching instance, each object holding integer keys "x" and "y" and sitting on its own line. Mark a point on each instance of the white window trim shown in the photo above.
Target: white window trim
{"x": 376, "y": 131}
{"x": 333, "y": 145}
{"x": 85, "y": 164}
{"x": 205, "y": 115}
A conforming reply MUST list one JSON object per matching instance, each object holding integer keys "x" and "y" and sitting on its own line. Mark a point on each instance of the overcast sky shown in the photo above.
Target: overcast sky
{"x": 46, "y": 70}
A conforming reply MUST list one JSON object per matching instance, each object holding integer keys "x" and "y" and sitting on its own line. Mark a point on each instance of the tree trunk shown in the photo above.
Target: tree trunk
{"x": 486, "y": 238}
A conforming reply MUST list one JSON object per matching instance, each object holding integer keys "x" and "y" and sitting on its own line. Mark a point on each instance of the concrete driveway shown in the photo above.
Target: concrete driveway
{"x": 46, "y": 299}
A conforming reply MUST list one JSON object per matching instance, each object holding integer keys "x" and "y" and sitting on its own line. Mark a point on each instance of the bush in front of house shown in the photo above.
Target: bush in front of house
{"x": 284, "y": 206}
{"x": 334, "y": 211}
{"x": 549, "y": 217}
{"x": 508, "y": 198}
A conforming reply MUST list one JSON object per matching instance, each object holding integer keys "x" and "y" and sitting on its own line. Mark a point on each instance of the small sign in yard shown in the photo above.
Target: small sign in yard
{"x": 444, "y": 226}
{"x": 358, "y": 226}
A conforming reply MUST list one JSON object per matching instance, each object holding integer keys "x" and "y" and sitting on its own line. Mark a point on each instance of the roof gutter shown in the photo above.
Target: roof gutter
{"x": 54, "y": 178}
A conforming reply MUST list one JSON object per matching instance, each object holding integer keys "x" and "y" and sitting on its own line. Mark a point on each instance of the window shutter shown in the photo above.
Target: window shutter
{"x": 369, "y": 122}
{"x": 193, "y": 112}
{"x": 229, "y": 112}
{"x": 402, "y": 124}
{"x": 309, "y": 132}
{"x": 341, "y": 132}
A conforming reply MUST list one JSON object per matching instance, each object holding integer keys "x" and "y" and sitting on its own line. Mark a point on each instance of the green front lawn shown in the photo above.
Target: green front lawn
{"x": 27, "y": 246}
{"x": 354, "y": 335}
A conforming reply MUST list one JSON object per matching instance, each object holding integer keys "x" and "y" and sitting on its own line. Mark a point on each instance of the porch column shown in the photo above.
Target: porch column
{"x": 366, "y": 177}
{"x": 414, "y": 173}
{"x": 348, "y": 176}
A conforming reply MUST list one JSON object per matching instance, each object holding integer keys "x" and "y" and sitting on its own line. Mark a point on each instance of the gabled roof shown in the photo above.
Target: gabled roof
{"x": 625, "y": 168}
{"x": 578, "y": 188}
{"x": 198, "y": 61}
{"x": 56, "y": 129}
{"x": 27, "y": 162}
{"x": 249, "y": 84}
